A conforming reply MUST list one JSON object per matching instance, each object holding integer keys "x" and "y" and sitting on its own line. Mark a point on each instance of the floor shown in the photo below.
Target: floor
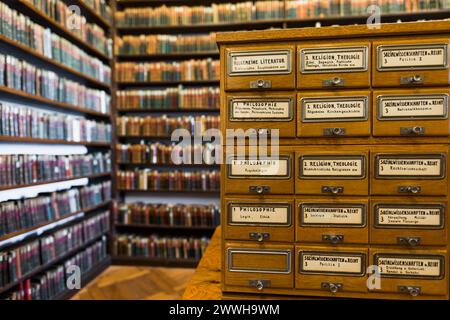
{"x": 137, "y": 283}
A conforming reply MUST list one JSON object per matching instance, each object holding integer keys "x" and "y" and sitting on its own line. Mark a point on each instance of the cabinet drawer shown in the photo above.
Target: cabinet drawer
{"x": 259, "y": 266}
{"x": 262, "y": 67}
{"x": 259, "y": 220}
{"x": 339, "y": 170}
{"x": 409, "y": 170}
{"x": 411, "y": 273}
{"x": 333, "y": 65}
{"x": 412, "y": 62}
{"x": 411, "y": 112}
{"x": 411, "y": 221}
{"x": 260, "y": 175}
{"x": 333, "y": 269}
{"x": 334, "y": 114}
{"x": 332, "y": 220}
{"x": 262, "y": 111}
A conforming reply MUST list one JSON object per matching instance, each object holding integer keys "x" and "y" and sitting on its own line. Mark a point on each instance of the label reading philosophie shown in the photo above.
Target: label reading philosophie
{"x": 331, "y": 263}
{"x": 410, "y": 266}
{"x": 409, "y": 216}
{"x": 413, "y": 107}
{"x": 338, "y": 59}
{"x": 267, "y": 214}
{"x": 259, "y": 62}
{"x": 324, "y": 214}
{"x": 410, "y": 166}
{"x": 272, "y": 109}
{"x": 410, "y": 57}
{"x": 330, "y": 166}
{"x": 259, "y": 168}
{"x": 334, "y": 109}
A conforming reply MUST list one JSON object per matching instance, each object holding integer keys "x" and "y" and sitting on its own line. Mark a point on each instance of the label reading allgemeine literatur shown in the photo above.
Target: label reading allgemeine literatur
{"x": 409, "y": 266}
{"x": 259, "y": 62}
{"x": 334, "y": 109}
{"x": 409, "y": 166}
{"x": 268, "y": 214}
{"x": 413, "y": 107}
{"x": 336, "y": 59}
{"x": 259, "y": 168}
{"x": 331, "y": 263}
{"x": 408, "y": 216}
{"x": 329, "y": 166}
{"x": 329, "y": 214}
{"x": 410, "y": 57}
{"x": 270, "y": 109}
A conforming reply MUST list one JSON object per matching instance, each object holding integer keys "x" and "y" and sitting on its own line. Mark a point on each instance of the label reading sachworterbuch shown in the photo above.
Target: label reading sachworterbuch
{"x": 331, "y": 263}
{"x": 259, "y": 214}
{"x": 327, "y": 166}
{"x": 334, "y": 109}
{"x": 257, "y": 62}
{"x": 322, "y": 214}
{"x": 408, "y": 216}
{"x": 261, "y": 109}
{"x": 427, "y": 56}
{"x": 259, "y": 168}
{"x": 336, "y": 59}
{"x": 409, "y": 267}
{"x": 413, "y": 106}
{"x": 398, "y": 166}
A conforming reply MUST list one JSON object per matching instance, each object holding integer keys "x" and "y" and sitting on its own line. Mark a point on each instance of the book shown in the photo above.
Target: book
{"x": 101, "y": 7}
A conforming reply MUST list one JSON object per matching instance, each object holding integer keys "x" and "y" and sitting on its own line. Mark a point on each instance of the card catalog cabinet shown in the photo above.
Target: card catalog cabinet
{"x": 356, "y": 203}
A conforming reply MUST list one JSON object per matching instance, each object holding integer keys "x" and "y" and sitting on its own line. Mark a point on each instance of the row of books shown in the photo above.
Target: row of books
{"x": 20, "y": 75}
{"x": 73, "y": 22}
{"x": 21, "y": 121}
{"x": 154, "y": 246}
{"x": 18, "y": 215}
{"x": 188, "y": 215}
{"x": 174, "y": 180}
{"x": 101, "y": 7}
{"x": 163, "y": 126}
{"x": 179, "y": 98}
{"x": 191, "y": 70}
{"x": 165, "y": 154}
{"x": 216, "y": 13}
{"x": 164, "y": 43}
{"x": 22, "y": 29}
{"x": 18, "y": 262}
{"x": 49, "y": 284}
{"x": 22, "y": 169}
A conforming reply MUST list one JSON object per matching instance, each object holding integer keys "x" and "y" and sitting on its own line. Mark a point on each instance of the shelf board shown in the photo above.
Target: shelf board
{"x": 157, "y": 3}
{"x": 167, "y": 56}
{"x": 53, "y": 103}
{"x": 171, "y": 191}
{"x": 170, "y": 165}
{"x": 94, "y": 15}
{"x": 147, "y": 261}
{"x": 166, "y": 83}
{"x": 2, "y": 188}
{"x": 139, "y": 110}
{"x": 53, "y": 141}
{"x": 164, "y": 227}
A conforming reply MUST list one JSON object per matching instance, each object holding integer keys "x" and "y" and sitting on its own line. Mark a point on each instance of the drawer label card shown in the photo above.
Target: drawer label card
{"x": 332, "y": 166}
{"x": 410, "y": 266}
{"x": 260, "y": 168}
{"x": 332, "y": 214}
{"x": 409, "y": 216}
{"x": 413, "y": 107}
{"x": 336, "y": 59}
{"x": 266, "y": 214}
{"x": 410, "y": 166}
{"x": 333, "y": 263}
{"x": 249, "y": 260}
{"x": 412, "y": 57}
{"x": 334, "y": 109}
{"x": 258, "y": 62}
{"x": 257, "y": 109}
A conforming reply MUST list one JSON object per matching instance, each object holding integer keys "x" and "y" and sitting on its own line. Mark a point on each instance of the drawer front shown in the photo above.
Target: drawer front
{"x": 411, "y": 112}
{"x": 411, "y": 273}
{"x": 332, "y": 220}
{"x": 260, "y": 176}
{"x": 260, "y": 67}
{"x": 331, "y": 269}
{"x": 411, "y": 63}
{"x": 410, "y": 222}
{"x": 266, "y": 111}
{"x": 340, "y": 171}
{"x": 259, "y": 220}
{"x": 409, "y": 170}
{"x": 333, "y": 65}
{"x": 259, "y": 266}
{"x": 334, "y": 114}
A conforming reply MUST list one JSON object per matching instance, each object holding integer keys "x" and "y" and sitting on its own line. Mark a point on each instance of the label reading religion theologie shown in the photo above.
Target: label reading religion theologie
{"x": 270, "y": 109}
{"x": 332, "y": 166}
{"x": 336, "y": 59}
{"x": 331, "y": 214}
{"x": 334, "y": 109}
{"x": 259, "y": 168}
{"x": 413, "y": 107}
{"x": 413, "y": 216}
{"x": 267, "y": 214}
{"x": 259, "y": 62}
{"x": 404, "y": 266}
{"x": 409, "y": 166}
{"x": 332, "y": 263}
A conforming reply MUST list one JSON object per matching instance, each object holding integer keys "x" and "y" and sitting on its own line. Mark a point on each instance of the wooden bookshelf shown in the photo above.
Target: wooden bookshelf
{"x": 154, "y": 262}
{"x": 151, "y": 111}
{"x": 186, "y": 192}
{"x": 167, "y": 56}
{"x": 94, "y": 15}
{"x": 167, "y": 83}
{"x": 54, "y": 141}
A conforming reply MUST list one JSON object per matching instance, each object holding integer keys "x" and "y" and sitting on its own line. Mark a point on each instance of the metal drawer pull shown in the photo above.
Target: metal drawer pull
{"x": 332, "y": 189}
{"x": 412, "y": 130}
{"x": 259, "y": 284}
{"x": 413, "y": 291}
{"x": 334, "y": 131}
{"x": 416, "y": 79}
{"x": 331, "y": 286}
{"x": 261, "y": 84}
{"x": 259, "y": 189}
{"x": 259, "y": 236}
{"x": 333, "y": 82}
{"x": 335, "y": 238}
{"x": 409, "y": 189}
{"x": 412, "y": 241}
